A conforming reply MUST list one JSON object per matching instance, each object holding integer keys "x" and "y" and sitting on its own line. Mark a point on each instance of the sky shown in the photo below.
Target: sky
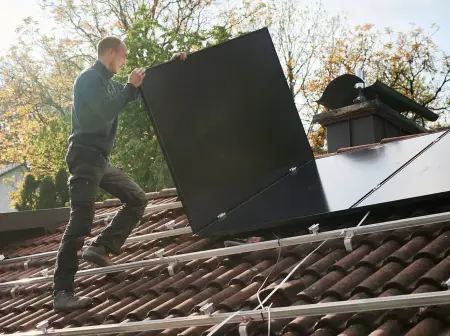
{"x": 12, "y": 12}
{"x": 397, "y": 14}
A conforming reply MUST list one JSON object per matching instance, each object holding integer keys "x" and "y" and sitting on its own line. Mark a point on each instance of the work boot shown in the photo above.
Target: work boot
{"x": 98, "y": 256}
{"x": 64, "y": 301}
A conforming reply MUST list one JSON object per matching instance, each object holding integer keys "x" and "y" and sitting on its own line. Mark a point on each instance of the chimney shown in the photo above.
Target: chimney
{"x": 360, "y": 115}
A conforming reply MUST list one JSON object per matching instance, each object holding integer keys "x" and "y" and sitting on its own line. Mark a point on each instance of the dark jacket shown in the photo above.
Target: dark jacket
{"x": 97, "y": 101}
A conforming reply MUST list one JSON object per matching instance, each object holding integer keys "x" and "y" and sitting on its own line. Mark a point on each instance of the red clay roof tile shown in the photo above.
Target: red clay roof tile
{"x": 381, "y": 264}
{"x": 427, "y": 327}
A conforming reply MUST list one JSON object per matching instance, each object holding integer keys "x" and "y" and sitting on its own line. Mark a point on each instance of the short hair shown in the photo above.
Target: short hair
{"x": 106, "y": 43}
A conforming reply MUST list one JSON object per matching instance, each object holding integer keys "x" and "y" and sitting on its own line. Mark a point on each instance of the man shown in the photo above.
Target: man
{"x": 97, "y": 101}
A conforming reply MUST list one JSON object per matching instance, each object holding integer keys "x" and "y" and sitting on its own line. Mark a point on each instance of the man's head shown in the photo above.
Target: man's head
{"x": 112, "y": 52}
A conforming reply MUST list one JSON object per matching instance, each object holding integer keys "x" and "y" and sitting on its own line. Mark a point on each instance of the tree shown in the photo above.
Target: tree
{"x": 35, "y": 93}
{"x": 298, "y": 34}
{"x": 409, "y": 62}
{"x": 25, "y": 197}
{"x": 47, "y": 194}
{"x": 37, "y": 74}
{"x": 137, "y": 148}
{"x": 61, "y": 187}
{"x": 36, "y": 126}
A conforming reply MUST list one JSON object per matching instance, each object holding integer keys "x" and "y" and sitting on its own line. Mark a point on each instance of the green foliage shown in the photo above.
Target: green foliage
{"x": 61, "y": 187}
{"x": 47, "y": 194}
{"x": 50, "y": 147}
{"x": 37, "y": 74}
{"x": 137, "y": 149}
{"x": 25, "y": 197}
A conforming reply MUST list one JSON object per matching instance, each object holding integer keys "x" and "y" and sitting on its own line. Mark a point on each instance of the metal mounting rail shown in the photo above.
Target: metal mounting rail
{"x": 148, "y": 209}
{"x": 267, "y": 245}
{"x": 318, "y": 309}
{"x": 134, "y": 239}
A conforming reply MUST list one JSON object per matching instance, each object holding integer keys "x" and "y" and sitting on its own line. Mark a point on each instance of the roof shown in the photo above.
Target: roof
{"x": 9, "y": 167}
{"x": 380, "y": 264}
{"x": 383, "y": 141}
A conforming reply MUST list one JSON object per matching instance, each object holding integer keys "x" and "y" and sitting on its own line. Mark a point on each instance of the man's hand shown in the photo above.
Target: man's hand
{"x": 179, "y": 56}
{"x": 136, "y": 77}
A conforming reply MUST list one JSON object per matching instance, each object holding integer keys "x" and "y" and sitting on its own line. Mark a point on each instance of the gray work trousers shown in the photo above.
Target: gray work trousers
{"x": 89, "y": 169}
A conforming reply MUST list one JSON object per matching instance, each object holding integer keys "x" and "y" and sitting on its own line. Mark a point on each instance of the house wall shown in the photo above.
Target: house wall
{"x": 5, "y": 187}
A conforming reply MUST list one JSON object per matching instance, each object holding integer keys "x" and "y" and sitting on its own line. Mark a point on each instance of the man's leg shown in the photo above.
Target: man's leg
{"x": 118, "y": 183}
{"x": 83, "y": 182}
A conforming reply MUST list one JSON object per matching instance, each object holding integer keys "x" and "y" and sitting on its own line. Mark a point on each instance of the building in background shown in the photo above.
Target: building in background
{"x": 10, "y": 177}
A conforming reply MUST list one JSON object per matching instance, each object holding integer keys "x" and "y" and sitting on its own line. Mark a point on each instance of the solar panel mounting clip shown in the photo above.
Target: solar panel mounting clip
{"x": 293, "y": 170}
{"x": 170, "y": 225}
{"x": 160, "y": 253}
{"x": 207, "y": 309}
{"x": 243, "y": 328}
{"x": 171, "y": 268}
{"x": 108, "y": 218}
{"x": 348, "y": 240}
{"x": 44, "y": 272}
{"x": 314, "y": 229}
{"x": 2, "y": 257}
{"x": 222, "y": 216}
{"x": 447, "y": 283}
{"x": 376, "y": 187}
{"x": 14, "y": 291}
{"x": 25, "y": 264}
{"x": 43, "y": 326}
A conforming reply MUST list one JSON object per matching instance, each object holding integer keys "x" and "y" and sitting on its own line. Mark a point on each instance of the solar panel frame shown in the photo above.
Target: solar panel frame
{"x": 226, "y": 122}
{"x": 423, "y": 178}
{"x": 329, "y": 186}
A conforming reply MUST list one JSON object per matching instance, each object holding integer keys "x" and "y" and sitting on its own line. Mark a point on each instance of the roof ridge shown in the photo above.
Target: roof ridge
{"x": 9, "y": 167}
{"x": 381, "y": 142}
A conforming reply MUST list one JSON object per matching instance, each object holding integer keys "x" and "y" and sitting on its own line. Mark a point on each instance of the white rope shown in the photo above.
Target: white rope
{"x": 261, "y": 303}
{"x": 268, "y": 276}
{"x": 264, "y": 282}
{"x": 290, "y": 274}
{"x": 269, "y": 320}
{"x": 298, "y": 265}
{"x": 217, "y": 327}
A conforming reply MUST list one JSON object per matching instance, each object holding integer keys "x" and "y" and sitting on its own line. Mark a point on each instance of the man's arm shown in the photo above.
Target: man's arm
{"x": 93, "y": 93}
{"x": 122, "y": 86}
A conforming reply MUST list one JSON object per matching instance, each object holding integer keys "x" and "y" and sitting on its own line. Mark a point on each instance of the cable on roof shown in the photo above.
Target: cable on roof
{"x": 268, "y": 316}
{"x": 316, "y": 309}
{"x": 265, "y": 245}
{"x": 292, "y": 272}
{"x": 217, "y": 327}
{"x": 271, "y": 271}
{"x": 315, "y": 230}
{"x": 299, "y": 264}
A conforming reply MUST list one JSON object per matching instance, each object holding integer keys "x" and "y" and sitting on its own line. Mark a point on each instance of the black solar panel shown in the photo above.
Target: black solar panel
{"x": 348, "y": 177}
{"x": 226, "y": 122}
{"x": 426, "y": 176}
{"x": 328, "y": 186}
{"x": 230, "y": 132}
